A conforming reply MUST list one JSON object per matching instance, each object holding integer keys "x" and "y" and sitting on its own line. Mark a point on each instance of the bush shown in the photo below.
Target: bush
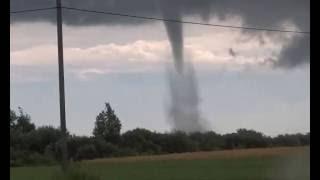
{"x": 86, "y": 152}
{"x": 141, "y": 140}
{"x": 22, "y": 157}
{"x": 207, "y": 141}
{"x": 75, "y": 142}
{"x": 104, "y": 149}
{"x": 74, "y": 173}
{"x": 39, "y": 159}
{"x": 43, "y": 136}
{"x": 18, "y": 157}
{"x": 287, "y": 140}
{"x": 250, "y": 138}
{"x": 178, "y": 142}
{"x": 125, "y": 152}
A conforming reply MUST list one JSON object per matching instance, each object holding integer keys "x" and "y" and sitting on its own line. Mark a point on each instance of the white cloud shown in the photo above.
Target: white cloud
{"x": 85, "y": 73}
{"x": 34, "y": 56}
{"x": 209, "y": 50}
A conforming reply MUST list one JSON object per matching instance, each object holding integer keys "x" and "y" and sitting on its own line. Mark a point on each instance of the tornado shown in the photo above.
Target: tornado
{"x": 184, "y": 110}
{"x": 175, "y": 35}
{"x": 184, "y": 105}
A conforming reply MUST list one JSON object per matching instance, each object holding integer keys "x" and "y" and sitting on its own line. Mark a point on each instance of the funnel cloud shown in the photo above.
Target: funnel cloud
{"x": 184, "y": 108}
{"x": 175, "y": 34}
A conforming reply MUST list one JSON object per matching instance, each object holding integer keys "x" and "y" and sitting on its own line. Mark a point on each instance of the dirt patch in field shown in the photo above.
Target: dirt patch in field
{"x": 239, "y": 153}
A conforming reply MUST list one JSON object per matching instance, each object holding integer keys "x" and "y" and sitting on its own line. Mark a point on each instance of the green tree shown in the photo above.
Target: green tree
{"x": 100, "y": 125}
{"x": 87, "y": 151}
{"x": 178, "y": 142}
{"x": 42, "y": 137}
{"x": 13, "y": 118}
{"x": 141, "y": 140}
{"x": 107, "y": 125}
{"x": 207, "y": 141}
{"x": 104, "y": 149}
{"x": 23, "y": 123}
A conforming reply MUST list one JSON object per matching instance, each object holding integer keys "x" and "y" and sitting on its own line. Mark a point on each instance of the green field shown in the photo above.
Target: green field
{"x": 254, "y": 164}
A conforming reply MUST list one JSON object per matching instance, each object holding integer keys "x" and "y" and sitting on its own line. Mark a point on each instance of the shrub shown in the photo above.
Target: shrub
{"x": 86, "y": 152}
{"x": 104, "y": 149}
{"x": 125, "y": 152}
{"x": 21, "y": 157}
{"x": 74, "y": 173}
{"x": 141, "y": 140}
{"x": 40, "y": 159}
{"x": 178, "y": 142}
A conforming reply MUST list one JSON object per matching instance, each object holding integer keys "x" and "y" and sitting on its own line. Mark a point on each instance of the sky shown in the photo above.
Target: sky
{"x": 253, "y": 80}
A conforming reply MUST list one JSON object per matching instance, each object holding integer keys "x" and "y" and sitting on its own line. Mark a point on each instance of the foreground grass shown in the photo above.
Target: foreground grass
{"x": 255, "y": 164}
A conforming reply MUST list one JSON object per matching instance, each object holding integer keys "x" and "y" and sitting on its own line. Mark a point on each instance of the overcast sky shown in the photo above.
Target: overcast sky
{"x": 246, "y": 80}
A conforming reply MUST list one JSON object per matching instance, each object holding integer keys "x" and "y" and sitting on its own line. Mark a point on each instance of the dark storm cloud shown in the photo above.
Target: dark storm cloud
{"x": 255, "y": 13}
{"x": 296, "y": 53}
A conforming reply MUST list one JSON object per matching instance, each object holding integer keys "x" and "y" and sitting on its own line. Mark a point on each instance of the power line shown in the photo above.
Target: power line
{"x": 185, "y": 22}
{"x": 32, "y": 10}
{"x": 167, "y": 20}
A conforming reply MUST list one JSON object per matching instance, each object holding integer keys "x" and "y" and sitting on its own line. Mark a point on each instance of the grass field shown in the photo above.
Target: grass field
{"x": 251, "y": 164}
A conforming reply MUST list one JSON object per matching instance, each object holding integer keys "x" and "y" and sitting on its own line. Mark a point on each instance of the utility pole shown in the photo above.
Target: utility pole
{"x": 61, "y": 89}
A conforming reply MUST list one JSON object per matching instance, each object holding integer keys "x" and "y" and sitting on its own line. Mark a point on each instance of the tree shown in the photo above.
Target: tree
{"x": 178, "y": 142}
{"x": 251, "y": 138}
{"x": 103, "y": 148}
{"x": 107, "y": 125}
{"x": 74, "y": 143}
{"x": 87, "y": 151}
{"x": 42, "y": 137}
{"x": 141, "y": 140}
{"x": 23, "y": 123}
{"x": 13, "y": 118}
{"x": 100, "y": 125}
{"x": 20, "y": 127}
{"x": 208, "y": 140}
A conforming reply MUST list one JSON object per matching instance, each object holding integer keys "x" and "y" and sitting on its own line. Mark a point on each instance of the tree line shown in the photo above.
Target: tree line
{"x": 31, "y": 145}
